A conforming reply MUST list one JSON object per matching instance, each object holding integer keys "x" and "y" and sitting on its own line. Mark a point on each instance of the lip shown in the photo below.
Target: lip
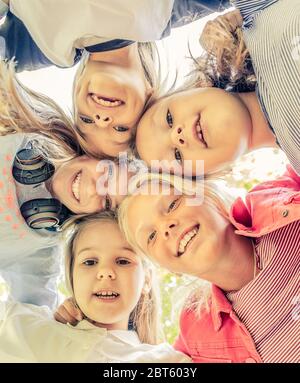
{"x": 98, "y": 106}
{"x": 112, "y": 300}
{"x": 195, "y": 133}
{"x": 182, "y": 235}
{"x": 71, "y": 184}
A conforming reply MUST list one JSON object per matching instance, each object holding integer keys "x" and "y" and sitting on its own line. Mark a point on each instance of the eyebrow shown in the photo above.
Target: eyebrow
{"x": 95, "y": 248}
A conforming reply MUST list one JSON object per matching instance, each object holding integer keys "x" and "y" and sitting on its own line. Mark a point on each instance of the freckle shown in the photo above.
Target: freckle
{"x": 1, "y": 209}
{"x": 15, "y": 226}
{"x": 4, "y": 171}
{"x": 8, "y": 218}
{"x": 8, "y": 157}
{"x": 1, "y": 184}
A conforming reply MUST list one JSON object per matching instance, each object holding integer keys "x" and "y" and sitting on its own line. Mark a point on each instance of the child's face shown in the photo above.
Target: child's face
{"x": 75, "y": 185}
{"x": 170, "y": 129}
{"x": 109, "y": 100}
{"x": 108, "y": 276}
{"x": 185, "y": 239}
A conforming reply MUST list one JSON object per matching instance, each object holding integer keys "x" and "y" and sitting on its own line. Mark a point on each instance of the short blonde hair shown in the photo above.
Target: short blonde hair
{"x": 145, "y": 316}
{"x": 214, "y": 190}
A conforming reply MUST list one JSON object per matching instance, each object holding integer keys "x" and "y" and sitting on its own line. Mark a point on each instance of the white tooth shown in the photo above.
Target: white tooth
{"x": 102, "y": 102}
{"x": 186, "y": 239}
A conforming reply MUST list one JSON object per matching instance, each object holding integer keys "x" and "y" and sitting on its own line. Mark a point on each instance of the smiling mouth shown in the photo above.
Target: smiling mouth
{"x": 199, "y": 132}
{"x": 186, "y": 240}
{"x": 107, "y": 295}
{"x": 105, "y": 101}
{"x": 76, "y": 186}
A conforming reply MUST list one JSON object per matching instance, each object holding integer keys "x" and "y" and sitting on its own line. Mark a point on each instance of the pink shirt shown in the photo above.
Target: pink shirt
{"x": 218, "y": 335}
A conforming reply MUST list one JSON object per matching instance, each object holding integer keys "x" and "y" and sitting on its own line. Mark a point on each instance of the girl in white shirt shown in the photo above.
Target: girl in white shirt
{"x": 113, "y": 288}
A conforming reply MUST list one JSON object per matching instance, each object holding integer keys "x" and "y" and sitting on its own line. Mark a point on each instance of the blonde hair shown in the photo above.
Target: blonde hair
{"x": 23, "y": 110}
{"x": 149, "y": 57}
{"x": 226, "y": 62}
{"x": 145, "y": 316}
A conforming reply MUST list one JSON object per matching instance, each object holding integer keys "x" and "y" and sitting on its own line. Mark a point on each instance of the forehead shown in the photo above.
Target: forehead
{"x": 101, "y": 235}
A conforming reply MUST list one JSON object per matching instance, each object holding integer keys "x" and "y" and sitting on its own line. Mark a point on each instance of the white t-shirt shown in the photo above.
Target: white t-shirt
{"x": 28, "y": 333}
{"x": 60, "y": 26}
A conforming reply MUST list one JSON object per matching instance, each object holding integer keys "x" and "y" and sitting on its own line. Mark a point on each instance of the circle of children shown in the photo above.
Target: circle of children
{"x": 243, "y": 94}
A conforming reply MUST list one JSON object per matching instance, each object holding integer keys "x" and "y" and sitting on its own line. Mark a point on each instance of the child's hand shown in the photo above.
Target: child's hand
{"x": 68, "y": 312}
{"x": 214, "y": 36}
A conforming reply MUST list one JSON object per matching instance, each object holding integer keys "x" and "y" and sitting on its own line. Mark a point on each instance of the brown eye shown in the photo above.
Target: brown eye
{"x": 169, "y": 119}
{"x": 86, "y": 120}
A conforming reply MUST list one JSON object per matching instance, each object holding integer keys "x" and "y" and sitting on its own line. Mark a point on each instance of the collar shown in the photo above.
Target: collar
{"x": 127, "y": 336}
{"x": 85, "y": 325}
{"x": 219, "y": 305}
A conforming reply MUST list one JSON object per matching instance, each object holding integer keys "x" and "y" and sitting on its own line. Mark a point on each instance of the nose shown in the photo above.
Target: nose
{"x": 177, "y": 136}
{"x": 102, "y": 120}
{"x": 168, "y": 228}
{"x": 106, "y": 273}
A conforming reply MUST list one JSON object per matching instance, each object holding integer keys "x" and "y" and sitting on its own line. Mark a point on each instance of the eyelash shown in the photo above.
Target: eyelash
{"x": 90, "y": 260}
{"x": 122, "y": 129}
{"x": 93, "y": 262}
{"x": 178, "y": 156}
{"x": 107, "y": 203}
{"x": 151, "y": 239}
{"x": 86, "y": 120}
{"x": 175, "y": 205}
{"x": 169, "y": 119}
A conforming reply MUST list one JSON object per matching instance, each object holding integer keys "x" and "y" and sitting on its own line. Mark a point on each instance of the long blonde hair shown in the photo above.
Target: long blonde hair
{"x": 23, "y": 110}
{"x": 146, "y": 314}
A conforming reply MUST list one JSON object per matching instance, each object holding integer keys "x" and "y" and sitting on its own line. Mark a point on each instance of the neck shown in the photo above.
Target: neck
{"x": 261, "y": 135}
{"x": 236, "y": 268}
{"x": 120, "y": 57}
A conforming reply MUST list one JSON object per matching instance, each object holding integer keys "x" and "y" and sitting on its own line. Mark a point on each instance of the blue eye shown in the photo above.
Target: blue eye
{"x": 121, "y": 128}
{"x": 86, "y": 120}
{"x": 169, "y": 119}
{"x": 151, "y": 236}
{"x": 178, "y": 156}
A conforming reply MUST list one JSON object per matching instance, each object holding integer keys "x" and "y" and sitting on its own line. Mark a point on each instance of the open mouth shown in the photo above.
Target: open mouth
{"x": 105, "y": 101}
{"x": 186, "y": 240}
{"x": 76, "y": 186}
{"x": 199, "y": 133}
{"x": 107, "y": 295}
